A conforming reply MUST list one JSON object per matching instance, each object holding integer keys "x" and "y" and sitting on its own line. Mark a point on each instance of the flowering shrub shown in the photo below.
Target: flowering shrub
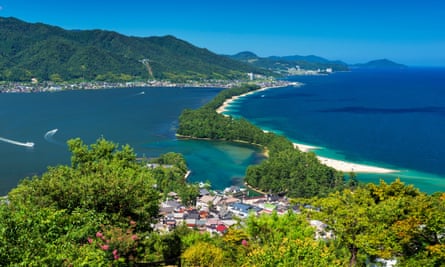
{"x": 121, "y": 244}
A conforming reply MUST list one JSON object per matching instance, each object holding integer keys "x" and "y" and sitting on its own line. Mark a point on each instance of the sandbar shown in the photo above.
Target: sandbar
{"x": 339, "y": 165}
{"x": 223, "y": 108}
{"x": 228, "y": 102}
{"x": 344, "y": 166}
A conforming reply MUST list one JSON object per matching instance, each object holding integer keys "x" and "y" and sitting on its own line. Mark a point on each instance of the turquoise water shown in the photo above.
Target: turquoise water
{"x": 145, "y": 118}
{"x": 393, "y": 119}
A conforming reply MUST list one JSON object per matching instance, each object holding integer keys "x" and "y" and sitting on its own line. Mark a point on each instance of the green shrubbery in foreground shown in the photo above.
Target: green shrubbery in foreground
{"x": 99, "y": 210}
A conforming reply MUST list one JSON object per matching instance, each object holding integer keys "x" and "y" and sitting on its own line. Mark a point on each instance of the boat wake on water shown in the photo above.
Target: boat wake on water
{"x": 140, "y": 93}
{"x": 25, "y": 144}
{"x": 49, "y": 136}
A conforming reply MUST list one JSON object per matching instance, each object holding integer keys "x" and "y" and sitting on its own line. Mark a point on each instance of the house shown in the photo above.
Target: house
{"x": 255, "y": 200}
{"x": 169, "y": 206}
{"x": 205, "y": 202}
{"x": 242, "y": 210}
{"x": 221, "y": 228}
{"x": 268, "y": 207}
{"x": 231, "y": 200}
{"x": 203, "y": 192}
{"x": 321, "y": 231}
{"x": 235, "y": 191}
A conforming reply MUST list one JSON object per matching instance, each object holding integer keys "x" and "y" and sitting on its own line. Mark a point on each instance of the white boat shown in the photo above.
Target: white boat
{"x": 28, "y": 144}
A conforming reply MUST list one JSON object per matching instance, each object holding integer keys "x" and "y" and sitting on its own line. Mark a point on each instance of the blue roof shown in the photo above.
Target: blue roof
{"x": 245, "y": 208}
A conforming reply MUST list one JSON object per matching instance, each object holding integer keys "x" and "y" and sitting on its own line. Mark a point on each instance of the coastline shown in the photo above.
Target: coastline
{"x": 339, "y": 165}
{"x": 223, "y": 108}
{"x": 344, "y": 166}
{"x": 228, "y": 102}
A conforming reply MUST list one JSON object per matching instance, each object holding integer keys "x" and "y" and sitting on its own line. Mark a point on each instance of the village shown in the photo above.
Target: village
{"x": 216, "y": 211}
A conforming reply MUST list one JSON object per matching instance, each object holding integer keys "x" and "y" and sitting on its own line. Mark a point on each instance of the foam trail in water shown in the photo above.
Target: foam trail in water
{"x": 49, "y": 136}
{"x": 26, "y": 144}
{"x": 140, "y": 93}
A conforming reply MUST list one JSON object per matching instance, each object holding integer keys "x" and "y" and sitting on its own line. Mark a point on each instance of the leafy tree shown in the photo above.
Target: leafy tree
{"x": 285, "y": 240}
{"x": 386, "y": 221}
{"x": 49, "y": 220}
{"x": 203, "y": 254}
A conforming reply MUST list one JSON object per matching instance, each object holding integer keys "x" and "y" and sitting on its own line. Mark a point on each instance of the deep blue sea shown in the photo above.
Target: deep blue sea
{"x": 390, "y": 118}
{"x": 393, "y": 119}
{"x": 145, "y": 118}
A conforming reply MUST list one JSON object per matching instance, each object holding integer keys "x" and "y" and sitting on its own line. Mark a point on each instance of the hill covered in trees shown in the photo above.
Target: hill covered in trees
{"x": 283, "y": 64}
{"x": 379, "y": 64}
{"x": 36, "y": 50}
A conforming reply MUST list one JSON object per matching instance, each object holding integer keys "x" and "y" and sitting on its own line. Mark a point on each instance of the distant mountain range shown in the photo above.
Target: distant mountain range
{"x": 284, "y": 64}
{"x": 45, "y": 52}
{"x": 36, "y": 50}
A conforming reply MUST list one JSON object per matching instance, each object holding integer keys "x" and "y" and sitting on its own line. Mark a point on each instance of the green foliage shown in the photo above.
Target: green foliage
{"x": 33, "y": 236}
{"x": 52, "y": 220}
{"x": 276, "y": 240}
{"x": 170, "y": 176}
{"x": 386, "y": 221}
{"x": 51, "y": 53}
{"x": 297, "y": 173}
{"x": 203, "y": 254}
{"x": 102, "y": 178}
{"x": 286, "y": 170}
{"x": 173, "y": 159}
{"x": 282, "y": 64}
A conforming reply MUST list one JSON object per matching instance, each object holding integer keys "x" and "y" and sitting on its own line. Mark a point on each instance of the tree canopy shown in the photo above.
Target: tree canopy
{"x": 286, "y": 170}
{"x": 36, "y": 50}
{"x": 389, "y": 221}
{"x": 97, "y": 210}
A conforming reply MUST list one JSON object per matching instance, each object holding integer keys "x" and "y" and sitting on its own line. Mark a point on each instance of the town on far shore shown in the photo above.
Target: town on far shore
{"x": 34, "y": 85}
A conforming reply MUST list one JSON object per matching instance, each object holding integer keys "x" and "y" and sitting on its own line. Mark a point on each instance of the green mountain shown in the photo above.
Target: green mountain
{"x": 380, "y": 64}
{"x": 282, "y": 65}
{"x": 36, "y": 50}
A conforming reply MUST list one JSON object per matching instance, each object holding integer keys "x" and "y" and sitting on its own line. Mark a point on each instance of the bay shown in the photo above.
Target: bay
{"x": 144, "y": 118}
{"x": 387, "y": 118}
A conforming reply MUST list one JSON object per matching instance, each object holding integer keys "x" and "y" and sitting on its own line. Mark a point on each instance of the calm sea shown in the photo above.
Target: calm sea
{"x": 145, "y": 118}
{"x": 392, "y": 118}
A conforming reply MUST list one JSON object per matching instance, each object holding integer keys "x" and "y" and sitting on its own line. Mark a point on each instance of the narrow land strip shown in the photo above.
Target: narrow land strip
{"x": 339, "y": 165}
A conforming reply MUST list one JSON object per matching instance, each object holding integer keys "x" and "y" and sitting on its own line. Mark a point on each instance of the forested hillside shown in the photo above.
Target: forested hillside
{"x": 36, "y": 50}
{"x": 282, "y": 64}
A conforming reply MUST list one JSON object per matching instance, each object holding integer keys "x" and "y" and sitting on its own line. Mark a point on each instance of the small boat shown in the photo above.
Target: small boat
{"x": 28, "y": 144}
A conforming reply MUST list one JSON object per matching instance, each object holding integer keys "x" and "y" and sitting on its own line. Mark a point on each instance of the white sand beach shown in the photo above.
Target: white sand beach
{"x": 223, "y": 107}
{"x": 339, "y": 165}
{"x": 344, "y": 166}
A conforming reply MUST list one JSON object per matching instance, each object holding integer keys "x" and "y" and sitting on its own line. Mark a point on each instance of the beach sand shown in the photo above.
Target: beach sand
{"x": 339, "y": 165}
{"x": 344, "y": 166}
{"x": 228, "y": 102}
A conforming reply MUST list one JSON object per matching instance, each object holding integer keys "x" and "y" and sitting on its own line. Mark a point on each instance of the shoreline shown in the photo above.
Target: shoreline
{"x": 339, "y": 165}
{"x": 228, "y": 102}
{"x": 344, "y": 166}
{"x": 223, "y": 108}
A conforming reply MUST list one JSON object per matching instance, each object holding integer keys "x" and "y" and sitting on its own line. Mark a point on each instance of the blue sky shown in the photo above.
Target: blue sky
{"x": 410, "y": 32}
